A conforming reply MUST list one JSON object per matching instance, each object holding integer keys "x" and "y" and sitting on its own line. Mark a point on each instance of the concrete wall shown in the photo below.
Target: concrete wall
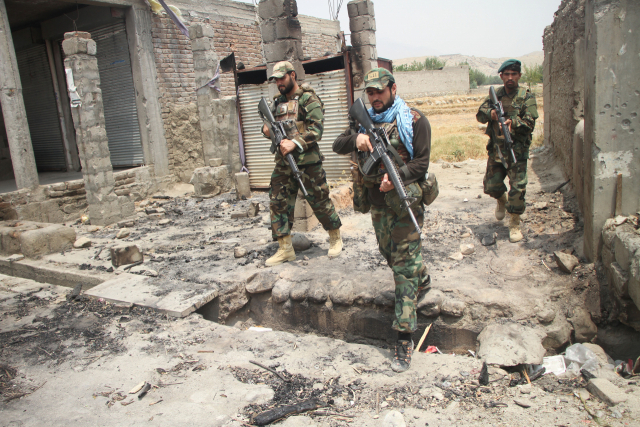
{"x": 319, "y": 36}
{"x": 564, "y": 80}
{"x": 449, "y": 80}
{"x": 612, "y": 104}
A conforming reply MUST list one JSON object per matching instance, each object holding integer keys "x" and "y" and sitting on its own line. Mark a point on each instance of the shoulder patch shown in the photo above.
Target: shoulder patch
{"x": 416, "y": 115}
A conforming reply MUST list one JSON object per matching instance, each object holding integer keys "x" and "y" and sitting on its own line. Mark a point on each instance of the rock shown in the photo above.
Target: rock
{"x": 524, "y": 403}
{"x": 261, "y": 282}
{"x": 51, "y": 238}
{"x": 540, "y": 205}
{"x": 299, "y": 291}
{"x": 546, "y": 315}
{"x": 619, "y": 220}
{"x": 584, "y": 328}
{"x": 151, "y": 211}
{"x": 453, "y": 307}
{"x": 465, "y": 200}
{"x": 343, "y": 293}
{"x": 445, "y": 165}
{"x": 258, "y": 395}
{"x": 566, "y": 262}
{"x": 262, "y": 241}
{"x": 224, "y": 205}
{"x": 524, "y": 388}
{"x": 582, "y": 393}
{"x": 150, "y": 273}
{"x": 318, "y": 294}
{"x": 467, "y": 249}
{"x": 281, "y": 290}
{"x": 489, "y": 240}
{"x": 243, "y": 189}
{"x": 239, "y": 252}
{"x": 300, "y": 242}
{"x": 236, "y": 215}
{"x": 393, "y": 419}
{"x": 125, "y": 224}
{"x": 625, "y": 245}
{"x": 214, "y": 163}
{"x": 253, "y": 209}
{"x": 456, "y": 257}
{"x": 430, "y": 304}
{"x": 125, "y": 254}
{"x": 124, "y": 232}
{"x": 606, "y": 391}
{"x": 510, "y": 344}
{"x": 15, "y": 257}
{"x": 558, "y": 333}
{"x": 82, "y": 242}
{"x": 437, "y": 395}
{"x": 603, "y": 358}
{"x": 164, "y": 222}
{"x": 211, "y": 181}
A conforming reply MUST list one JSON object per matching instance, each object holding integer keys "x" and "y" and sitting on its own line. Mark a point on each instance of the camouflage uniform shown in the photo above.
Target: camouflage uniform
{"x": 305, "y": 110}
{"x": 522, "y": 110}
{"x": 398, "y": 241}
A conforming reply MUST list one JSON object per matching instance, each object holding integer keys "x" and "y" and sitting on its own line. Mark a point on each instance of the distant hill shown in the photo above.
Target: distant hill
{"x": 488, "y": 66}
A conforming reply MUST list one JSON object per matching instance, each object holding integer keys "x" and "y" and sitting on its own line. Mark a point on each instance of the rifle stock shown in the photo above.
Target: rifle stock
{"x": 380, "y": 141}
{"x": 277, "y": 134}
{"x": 496, "y": 105}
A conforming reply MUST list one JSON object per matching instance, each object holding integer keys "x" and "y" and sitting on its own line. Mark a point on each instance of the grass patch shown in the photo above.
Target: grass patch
{"x": 456, "y": 148}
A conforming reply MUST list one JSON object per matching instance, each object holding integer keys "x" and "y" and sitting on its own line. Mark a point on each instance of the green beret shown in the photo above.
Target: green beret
{"x": 378, "y": 78}
{"x": 508, "y": 63}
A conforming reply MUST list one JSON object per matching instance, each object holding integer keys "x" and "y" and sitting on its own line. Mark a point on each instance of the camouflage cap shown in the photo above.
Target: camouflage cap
{"x": 509, "y": 63}
{"x": 280, "y": 69}
{"x": 378, "y": 78}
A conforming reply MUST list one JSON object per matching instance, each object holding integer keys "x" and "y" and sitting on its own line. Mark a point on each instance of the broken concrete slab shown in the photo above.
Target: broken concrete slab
{"x": 243, "y": 190}
{"x": 82, "y": 242}
{"x": 173, "y": 297}
{"x": 510, "y": 344}
{"x": 211, "y": 180}
{"x": 584, "y": 328}
{"x": 261, "y": 282}
{"x": 34, "y": 239}
{"x": 52, "y": 273}
{"x": 606, "y": 391}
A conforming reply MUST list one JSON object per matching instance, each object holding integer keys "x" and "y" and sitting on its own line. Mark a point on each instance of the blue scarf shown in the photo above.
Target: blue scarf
{"x": 400, "y": 112}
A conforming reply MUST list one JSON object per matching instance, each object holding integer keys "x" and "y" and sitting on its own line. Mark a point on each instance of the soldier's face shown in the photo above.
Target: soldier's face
{"x": 510, "y": 78}
{"x": 381, "y": 100}
{"x": 285, "y": 84}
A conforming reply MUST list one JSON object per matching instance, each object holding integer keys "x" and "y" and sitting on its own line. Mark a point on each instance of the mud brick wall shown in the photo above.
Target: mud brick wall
{"x": 319, "y": 36}
{"x": 48, "y": 203}
{"x": 621, "y": 260}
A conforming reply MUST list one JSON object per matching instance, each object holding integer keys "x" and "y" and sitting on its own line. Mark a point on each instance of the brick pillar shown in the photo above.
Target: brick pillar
{"x": 281, "y": 34}
{"x": 205, "y": 63}
{"x": 105, "y": 207}
{"x": 364, "y": 55}
{"x": 15, "y": 115}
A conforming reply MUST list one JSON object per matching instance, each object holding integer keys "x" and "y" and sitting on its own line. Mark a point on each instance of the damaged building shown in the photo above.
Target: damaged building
{"x": 105, "y": 102}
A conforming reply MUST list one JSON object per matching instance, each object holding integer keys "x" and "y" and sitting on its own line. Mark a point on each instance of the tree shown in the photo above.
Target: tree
{"x": 430, "y": 63}
{"x": 532, "y": 75}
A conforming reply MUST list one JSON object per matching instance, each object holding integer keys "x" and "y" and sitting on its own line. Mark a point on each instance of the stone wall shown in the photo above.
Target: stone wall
{"x": 449, "y": 80}
{"x": 621, "y": 260}
{"x": 6, "y": 168}
{"x": 564, "y": 80}
{"x": 66, "y": 201}
{"x": 182, "y": 128}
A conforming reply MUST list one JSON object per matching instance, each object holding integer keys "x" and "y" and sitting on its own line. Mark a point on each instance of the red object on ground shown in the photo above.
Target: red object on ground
{"x": 431, "y": 349}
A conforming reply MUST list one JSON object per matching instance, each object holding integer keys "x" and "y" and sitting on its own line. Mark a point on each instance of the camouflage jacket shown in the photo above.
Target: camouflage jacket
{"x": 523, "y": 112}
{"x": 310, "y": 125}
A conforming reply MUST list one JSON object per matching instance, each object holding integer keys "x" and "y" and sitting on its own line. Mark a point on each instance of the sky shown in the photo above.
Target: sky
{"x": 486, "y": 28}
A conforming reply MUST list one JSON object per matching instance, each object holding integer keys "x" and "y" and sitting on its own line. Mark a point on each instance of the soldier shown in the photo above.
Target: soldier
{"x": 302, "y": 111}
{"x": 521, "y": 111}
{"x": 398, "y": 241}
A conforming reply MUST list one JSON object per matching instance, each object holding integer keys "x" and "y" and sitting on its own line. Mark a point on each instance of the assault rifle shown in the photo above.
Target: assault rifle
{"x": 381, "y": 151}
{"x": 277, "y": 134}
{"x": 508, "y": 142}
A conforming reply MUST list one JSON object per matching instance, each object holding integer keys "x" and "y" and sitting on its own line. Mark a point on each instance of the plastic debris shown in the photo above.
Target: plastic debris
{"x": 554, "y": 365}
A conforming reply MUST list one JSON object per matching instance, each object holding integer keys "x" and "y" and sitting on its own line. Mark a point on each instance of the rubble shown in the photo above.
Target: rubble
{"x": 510, "y": 345}
{"x": 125, "y": 254}
{"x": 566, "y": 262}
{"x": 123, "y": 233}
{"x": 584, "y": 328}
{"x": 82, "y": 242}
{"x": 606, "y": 391}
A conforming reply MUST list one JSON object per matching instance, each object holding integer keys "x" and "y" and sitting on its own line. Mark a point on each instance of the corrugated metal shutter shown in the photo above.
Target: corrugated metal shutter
{"x": 118, "y": 95}
{"x": 331, "y": 88}
{"x": 40, "y": 105}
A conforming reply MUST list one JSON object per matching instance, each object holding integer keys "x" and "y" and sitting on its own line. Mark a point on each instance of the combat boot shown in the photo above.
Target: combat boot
{"x": 501, "y": 207}
{"x": 515, "y": 235}
{"x": 402, "y": 357}
{"x": 285, "y": 252}
{"x": 335, "y": 243}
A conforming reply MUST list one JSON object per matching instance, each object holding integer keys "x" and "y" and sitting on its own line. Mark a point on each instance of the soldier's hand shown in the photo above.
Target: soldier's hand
{"x": 266, "y": 131}
{"x": 363, "y": 143}
{"x": 494, "y": 115}
{"x": 508, "y": 123}
{"x": 386, "y": 185}
{"x": 287, "y": 146}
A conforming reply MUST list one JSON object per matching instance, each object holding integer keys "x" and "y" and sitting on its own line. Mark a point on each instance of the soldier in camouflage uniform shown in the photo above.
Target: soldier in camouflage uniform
{"x": 521, "y": 113}
{"x": 398, "y": 241}
{"x": 301, "y": 112}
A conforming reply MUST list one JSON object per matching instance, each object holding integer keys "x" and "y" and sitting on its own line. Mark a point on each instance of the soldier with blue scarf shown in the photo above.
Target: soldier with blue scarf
{"x": 410, "y": 135}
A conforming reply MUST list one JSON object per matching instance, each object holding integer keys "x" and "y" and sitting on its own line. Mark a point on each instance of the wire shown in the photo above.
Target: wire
{"x": 75, "y": 27}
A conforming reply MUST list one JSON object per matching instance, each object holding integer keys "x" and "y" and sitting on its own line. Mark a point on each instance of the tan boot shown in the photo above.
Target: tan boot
{"x": 501, "y": 207}
{"x": 514, "y": 229}
{"x": 335, "y": 243}
{"x": 285, "y": 252}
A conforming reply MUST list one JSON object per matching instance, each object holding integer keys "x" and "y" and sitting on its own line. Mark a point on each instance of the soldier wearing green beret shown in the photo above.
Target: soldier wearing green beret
{"x": 302, "y": 113}
{"x": 521, "y": 113}
{"x": 398, "y": 241}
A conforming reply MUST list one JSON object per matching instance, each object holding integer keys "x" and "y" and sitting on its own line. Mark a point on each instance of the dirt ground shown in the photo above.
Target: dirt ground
{"x": 74, "y": 360}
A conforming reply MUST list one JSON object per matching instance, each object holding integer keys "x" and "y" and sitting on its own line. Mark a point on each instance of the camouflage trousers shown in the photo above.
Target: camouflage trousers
{"x": 282, "y": 195}
{"x": 494, "y": 183}
{"x": 400, "y": 245}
